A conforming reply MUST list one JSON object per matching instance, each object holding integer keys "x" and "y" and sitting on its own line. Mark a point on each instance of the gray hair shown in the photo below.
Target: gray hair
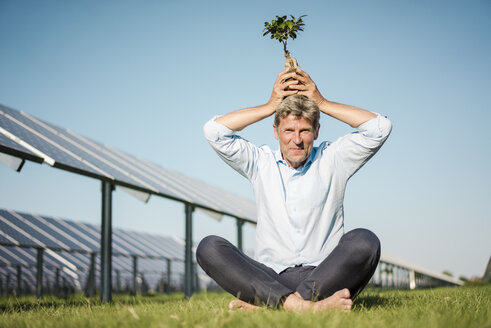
{"x": 298, "y": 105}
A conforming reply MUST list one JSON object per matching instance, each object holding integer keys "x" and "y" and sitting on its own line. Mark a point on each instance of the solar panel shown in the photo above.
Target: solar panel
{"x": 67, "y": 236}
{"x": 14, "y": 234}
{"x": 36, "y": 140}
{"x": 76, "y": 233}
{"x": 10, "y": 147}
{"x": 30, "y": 230}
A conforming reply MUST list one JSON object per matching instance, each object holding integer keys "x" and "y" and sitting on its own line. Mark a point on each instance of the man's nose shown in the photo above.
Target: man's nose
{"x": 297, "y": 139}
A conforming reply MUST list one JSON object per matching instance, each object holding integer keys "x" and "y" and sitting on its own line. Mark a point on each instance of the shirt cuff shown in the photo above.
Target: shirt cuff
{"x": 215, "y": 131}
{"x": 376, "y": 128}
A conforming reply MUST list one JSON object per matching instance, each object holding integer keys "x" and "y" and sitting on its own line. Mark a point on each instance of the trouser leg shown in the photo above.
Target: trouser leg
{"x": 350, "y": 265}
{"x": 238, "y": 274}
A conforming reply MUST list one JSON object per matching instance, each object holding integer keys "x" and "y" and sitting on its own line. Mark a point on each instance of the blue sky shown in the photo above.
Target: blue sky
{"x": 145, "y": 76}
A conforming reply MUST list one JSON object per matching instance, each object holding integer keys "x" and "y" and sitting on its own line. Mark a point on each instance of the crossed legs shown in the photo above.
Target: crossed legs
{"x": 332, "y": 284}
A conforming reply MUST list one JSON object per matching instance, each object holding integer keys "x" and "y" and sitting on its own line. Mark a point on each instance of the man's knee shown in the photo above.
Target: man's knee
{"x": 208, "y": 248}
{"x": 364, "y": 244}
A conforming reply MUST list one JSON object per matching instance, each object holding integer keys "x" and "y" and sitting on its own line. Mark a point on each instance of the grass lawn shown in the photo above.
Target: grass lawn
{"x": 468, "y": 306}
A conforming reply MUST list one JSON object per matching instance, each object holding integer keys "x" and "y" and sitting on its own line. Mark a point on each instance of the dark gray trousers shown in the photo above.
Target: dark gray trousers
{"x": 350, "y": 265}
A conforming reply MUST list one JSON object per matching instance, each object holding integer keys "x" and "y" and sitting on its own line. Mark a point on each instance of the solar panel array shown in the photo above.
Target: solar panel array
{"x": 67, "y": 245}
{"x": 25, "y": 136}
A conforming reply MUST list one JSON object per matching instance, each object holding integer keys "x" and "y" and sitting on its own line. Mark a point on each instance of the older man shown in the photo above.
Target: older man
{"x": 303, "y": 259}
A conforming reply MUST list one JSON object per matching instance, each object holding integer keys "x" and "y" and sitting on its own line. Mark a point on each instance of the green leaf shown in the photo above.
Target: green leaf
{"x": 282, "y": 28}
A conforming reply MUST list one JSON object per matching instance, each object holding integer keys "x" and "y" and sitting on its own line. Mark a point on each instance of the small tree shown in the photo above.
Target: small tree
{"x": 281, "y": 29}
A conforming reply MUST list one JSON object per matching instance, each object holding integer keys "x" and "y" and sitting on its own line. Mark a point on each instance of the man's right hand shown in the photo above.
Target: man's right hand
{"x": 281, "y": 89}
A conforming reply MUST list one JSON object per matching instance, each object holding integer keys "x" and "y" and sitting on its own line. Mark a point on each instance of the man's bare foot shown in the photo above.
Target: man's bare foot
{"x": 296, "y": 303}
{"x": 239, "y": 305}
{"x": 339, "y": 300}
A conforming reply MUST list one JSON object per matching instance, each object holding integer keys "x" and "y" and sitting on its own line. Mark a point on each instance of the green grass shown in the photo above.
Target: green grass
{"x": 468, "y": 306}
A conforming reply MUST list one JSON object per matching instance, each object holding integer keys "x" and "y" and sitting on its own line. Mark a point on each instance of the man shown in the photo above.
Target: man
{"x": 303, "y": 259}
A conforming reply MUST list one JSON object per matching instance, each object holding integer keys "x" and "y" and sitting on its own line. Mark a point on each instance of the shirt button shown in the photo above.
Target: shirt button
{"x": 298, "y": 230}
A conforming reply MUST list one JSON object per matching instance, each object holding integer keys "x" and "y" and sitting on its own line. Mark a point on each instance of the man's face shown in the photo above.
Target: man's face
{"x": 296, "y": 136}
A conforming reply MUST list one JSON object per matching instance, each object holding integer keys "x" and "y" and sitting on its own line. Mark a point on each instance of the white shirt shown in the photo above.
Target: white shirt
{"x": 299, "y": 211}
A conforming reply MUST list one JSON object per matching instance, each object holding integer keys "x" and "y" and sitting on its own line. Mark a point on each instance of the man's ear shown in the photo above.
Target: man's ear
{"x": 317, "y": 133}
{"x": 277, "y": 137}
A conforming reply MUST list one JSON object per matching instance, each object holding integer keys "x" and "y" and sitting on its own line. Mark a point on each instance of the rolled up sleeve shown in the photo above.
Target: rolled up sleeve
{"x": 355, "y": 149}
{"x": 237, "y": 152}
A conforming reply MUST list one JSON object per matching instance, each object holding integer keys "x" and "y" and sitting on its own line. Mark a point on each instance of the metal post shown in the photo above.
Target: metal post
{"x": 106, "y": 242}
{"x": 19, "y": 280}
{"x": 57, "y": 282}
{"x": 391, "y": 276}
{"x": 118, "y": 281}
{"x": 8, "y": 284}
{"x": 91, "y": 280}
{"x": 240, "y": 223}
{"x": 135, "y": 272}
{"x": 168, "y": 275}
{"x": 387, "y": 277}
{"x": 380, "y": 274}
{"x": 188, "y": 279}
{"x": 39, "y": 275}
{"x": 195, "y": 278}
{"x": 65, "y": 287}
{"x": 27, "y": 289}
{"x": 47, "y": 286}
{"x": 412, "y": 279}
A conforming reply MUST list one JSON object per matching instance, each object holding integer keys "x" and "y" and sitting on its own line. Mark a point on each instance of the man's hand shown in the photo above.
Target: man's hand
{"x": 281, "y": 89}
{"x": 351, "y": 115}
{"x": 307, "y": 87}
{"x": 239, "y": 119}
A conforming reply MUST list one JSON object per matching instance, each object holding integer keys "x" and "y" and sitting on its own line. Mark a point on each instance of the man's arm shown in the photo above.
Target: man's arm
{"x": 239, "y": 119}
{"x": 351, "y": 115}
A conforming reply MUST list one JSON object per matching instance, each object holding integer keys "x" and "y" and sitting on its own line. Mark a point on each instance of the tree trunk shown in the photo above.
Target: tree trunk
{"x": 290, "y": 62}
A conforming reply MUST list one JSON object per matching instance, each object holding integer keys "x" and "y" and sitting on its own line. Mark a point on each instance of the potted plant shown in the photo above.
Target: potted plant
{"x": 281, "y": 29}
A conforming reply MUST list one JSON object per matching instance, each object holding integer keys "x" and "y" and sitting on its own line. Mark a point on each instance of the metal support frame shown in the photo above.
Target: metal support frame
{"x": 39, "y": 274}
{"x": 135, "y": 272}
{"x": 106, "y": 242}
{"x": 240, "y": 223}
{"x": 188, "y": 253}
{"x": 19, "y": 280}
{"x": 168, "y": 275}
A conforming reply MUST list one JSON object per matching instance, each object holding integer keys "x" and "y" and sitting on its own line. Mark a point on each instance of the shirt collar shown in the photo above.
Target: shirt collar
{"x": 279, "y": 159}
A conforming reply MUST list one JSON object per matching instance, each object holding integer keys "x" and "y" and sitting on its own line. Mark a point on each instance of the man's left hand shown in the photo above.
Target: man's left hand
{"x": 307, "y": 87}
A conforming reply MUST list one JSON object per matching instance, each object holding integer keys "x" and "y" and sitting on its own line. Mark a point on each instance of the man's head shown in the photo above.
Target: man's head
{"x": 296, "y": 126}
